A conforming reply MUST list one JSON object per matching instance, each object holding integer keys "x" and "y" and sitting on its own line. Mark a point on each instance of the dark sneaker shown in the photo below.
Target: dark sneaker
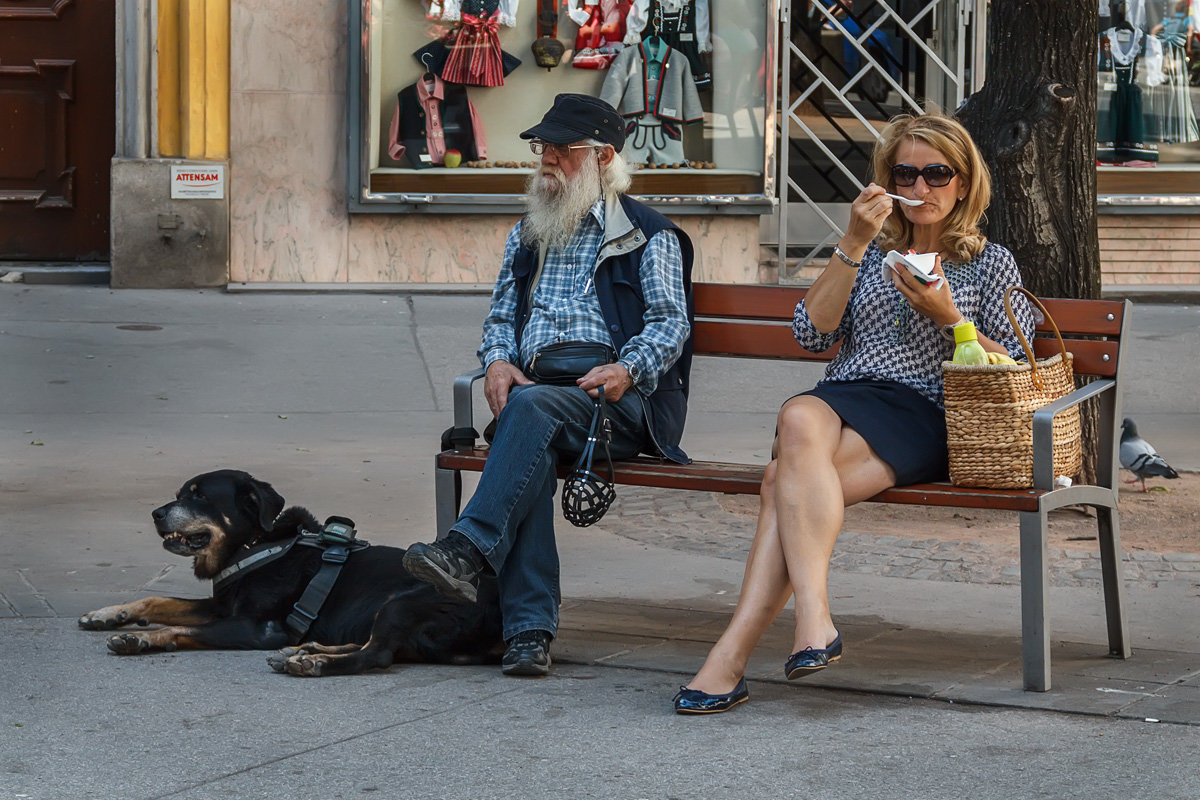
{"x": 452, "y": 565}
{"x": 528, "y": 653}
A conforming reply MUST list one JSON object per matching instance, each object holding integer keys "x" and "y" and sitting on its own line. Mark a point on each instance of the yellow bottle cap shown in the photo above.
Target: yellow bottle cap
{"x": 965, "y": 332}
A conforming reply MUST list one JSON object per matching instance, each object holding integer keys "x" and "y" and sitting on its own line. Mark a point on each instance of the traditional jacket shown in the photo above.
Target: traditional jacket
{"x": 428, "y": 121}
{"x": 626, "y": 87}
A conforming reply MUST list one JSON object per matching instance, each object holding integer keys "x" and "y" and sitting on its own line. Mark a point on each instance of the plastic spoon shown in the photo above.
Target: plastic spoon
{"x": 908, "y": 201}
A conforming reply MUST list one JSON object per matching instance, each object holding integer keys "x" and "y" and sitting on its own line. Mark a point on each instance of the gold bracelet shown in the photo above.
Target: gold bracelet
{"x": 847, "y": 260}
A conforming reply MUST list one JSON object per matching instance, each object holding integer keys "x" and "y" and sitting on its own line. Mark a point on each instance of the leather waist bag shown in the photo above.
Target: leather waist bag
{"x": 563, "y": 363}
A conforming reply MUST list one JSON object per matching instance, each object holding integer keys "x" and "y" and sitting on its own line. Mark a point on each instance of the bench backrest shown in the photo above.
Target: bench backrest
{"x": 756, "y": 322}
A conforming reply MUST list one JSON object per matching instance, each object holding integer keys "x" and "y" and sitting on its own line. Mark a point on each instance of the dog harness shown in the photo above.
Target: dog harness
{"x": 335, "y": 540}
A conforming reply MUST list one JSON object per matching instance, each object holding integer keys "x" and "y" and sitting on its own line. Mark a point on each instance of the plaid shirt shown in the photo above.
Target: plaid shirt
{"x": 565, "y": 308}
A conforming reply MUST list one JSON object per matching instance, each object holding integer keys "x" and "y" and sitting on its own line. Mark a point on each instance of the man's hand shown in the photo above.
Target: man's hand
{"x": 613, "y": 377}
{"x": 498, "y": 382}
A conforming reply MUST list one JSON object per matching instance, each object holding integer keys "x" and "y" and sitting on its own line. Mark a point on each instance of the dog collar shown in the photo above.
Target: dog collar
{"x": 252, "y": 559}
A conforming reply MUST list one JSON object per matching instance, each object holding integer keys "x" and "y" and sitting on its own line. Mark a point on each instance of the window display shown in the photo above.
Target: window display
{"x": 652, "y": 86}
{"x": 444, "y": 87}
{"x": 1145, "y": 106}
{"x": 601, "y": 31}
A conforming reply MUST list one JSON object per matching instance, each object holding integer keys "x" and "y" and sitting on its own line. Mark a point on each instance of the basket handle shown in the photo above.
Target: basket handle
{"x": 1025, "y": 345}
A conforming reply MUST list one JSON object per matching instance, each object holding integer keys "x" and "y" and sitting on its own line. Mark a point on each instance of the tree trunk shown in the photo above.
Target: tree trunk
{"x": 1035, "y": 122}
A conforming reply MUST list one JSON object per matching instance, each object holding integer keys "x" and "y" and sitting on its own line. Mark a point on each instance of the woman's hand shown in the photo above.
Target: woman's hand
{"x": 867, "y": 213}
{"x": 937, "y": 304}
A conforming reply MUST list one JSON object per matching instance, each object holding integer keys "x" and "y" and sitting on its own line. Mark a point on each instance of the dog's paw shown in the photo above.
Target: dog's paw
{"x": 105, "y": 619}
{"x": 128, "y": 644}
{"x": 306, "y": 666}
{"x": 278, "y": 660}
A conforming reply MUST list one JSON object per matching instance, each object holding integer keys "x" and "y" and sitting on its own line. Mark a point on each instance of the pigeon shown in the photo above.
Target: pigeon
{"x": 1139, "y": 457}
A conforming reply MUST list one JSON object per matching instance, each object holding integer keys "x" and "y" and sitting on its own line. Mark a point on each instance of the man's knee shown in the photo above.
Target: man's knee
{"x": 540, "y": 400}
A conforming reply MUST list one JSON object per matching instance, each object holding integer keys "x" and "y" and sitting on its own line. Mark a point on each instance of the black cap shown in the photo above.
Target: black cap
{"x": 579, "y": 116}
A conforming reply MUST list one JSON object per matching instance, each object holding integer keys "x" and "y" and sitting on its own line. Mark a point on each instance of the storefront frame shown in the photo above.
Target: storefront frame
{"x": 654, "y": 189}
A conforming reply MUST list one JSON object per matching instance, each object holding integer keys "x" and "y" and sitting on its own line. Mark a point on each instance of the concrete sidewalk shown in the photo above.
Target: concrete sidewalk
{"x": 111, "y": 399}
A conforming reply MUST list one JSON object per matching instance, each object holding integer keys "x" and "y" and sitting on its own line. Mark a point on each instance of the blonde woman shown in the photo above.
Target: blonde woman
{"x": 876, "y": 419}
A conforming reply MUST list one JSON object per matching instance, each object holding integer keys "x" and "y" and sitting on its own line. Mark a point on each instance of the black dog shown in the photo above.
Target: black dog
{"x": 375, "y": 615}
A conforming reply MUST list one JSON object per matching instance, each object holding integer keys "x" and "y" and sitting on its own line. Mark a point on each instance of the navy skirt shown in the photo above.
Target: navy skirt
{"x": 902, "y": 426}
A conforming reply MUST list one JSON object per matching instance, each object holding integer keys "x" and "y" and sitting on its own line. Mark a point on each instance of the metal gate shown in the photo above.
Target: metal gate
{"x": 847, "y": 67}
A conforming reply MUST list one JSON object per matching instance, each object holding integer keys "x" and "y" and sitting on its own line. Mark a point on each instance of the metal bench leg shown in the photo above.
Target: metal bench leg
{"x": 1035, "y": 578}
{"x": 1114, "y": 584}
{"x": 448, "y": 498}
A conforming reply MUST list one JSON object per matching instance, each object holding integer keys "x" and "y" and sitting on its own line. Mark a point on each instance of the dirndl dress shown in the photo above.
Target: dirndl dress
{"x": 474, "y": 56}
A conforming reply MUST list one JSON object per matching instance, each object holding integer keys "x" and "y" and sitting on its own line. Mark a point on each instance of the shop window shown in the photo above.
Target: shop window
{"x": 1148, "y": 77}
{"x": 703, "y": 141}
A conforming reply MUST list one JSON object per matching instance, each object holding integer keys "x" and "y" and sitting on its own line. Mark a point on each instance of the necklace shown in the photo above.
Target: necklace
{"x": 1130, "y": 53}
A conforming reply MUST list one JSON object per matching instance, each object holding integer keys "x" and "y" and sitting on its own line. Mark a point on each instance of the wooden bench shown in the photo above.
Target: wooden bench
{"x": 755, "y": 322}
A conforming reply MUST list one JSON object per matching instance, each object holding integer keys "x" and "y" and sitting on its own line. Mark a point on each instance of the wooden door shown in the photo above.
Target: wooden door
{"x": 57, "y": 120}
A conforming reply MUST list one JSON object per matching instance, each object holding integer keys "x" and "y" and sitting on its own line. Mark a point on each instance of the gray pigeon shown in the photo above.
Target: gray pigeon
{"x": 1139, "y": 457}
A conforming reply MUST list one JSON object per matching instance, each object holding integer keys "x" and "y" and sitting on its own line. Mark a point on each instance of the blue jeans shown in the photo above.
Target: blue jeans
{"x": 510, "y": 518}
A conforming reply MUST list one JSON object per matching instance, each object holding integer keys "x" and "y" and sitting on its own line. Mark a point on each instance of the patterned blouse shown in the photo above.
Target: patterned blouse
{"x": 883, "y": 338}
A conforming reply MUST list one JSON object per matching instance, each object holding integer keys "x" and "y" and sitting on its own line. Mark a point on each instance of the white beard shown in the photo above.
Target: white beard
{"x": 555, "y": 207}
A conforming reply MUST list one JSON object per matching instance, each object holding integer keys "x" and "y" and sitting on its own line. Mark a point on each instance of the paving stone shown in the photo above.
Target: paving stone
{"x": 696, "y": 522}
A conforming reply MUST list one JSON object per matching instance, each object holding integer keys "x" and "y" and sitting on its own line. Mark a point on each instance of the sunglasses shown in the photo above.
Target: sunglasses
{"x": 934, "y": 174}
{"x": 560, "y": 150}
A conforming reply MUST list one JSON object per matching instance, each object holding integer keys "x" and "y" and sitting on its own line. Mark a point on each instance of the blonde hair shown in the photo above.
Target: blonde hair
{"x": 962, "y": 236}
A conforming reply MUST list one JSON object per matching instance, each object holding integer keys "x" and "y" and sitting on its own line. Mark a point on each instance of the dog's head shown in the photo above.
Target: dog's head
{"x": 216, "y": 513}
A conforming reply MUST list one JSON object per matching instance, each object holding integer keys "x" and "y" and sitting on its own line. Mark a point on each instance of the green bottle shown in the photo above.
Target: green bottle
{"x": 967, "y": 349}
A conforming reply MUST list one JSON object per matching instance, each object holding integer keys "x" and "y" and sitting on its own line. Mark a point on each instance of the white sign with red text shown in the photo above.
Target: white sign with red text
{"x": 202, "y": 182}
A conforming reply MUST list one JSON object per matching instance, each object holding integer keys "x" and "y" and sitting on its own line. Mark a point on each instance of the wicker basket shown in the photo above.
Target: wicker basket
{"x": 989, "y": 414}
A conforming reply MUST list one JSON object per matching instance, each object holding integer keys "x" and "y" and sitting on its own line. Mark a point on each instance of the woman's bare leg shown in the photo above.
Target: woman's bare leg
{"x": 765, "y": 591}
{"x": 823, "y": 466}
{"x": 812, "y": 526}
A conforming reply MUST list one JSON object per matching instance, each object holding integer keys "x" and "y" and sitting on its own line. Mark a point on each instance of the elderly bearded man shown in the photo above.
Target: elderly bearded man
{"x": 585, "y": 264}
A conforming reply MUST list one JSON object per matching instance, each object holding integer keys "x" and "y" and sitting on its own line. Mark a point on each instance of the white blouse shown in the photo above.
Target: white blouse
{"x": 639, "y": 17}
{"x": 451, "y": 11}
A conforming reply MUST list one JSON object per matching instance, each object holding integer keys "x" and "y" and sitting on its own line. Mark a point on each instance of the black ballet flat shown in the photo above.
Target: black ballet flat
{"x": 812, "y": 659}
{"x": 694, "y": 701}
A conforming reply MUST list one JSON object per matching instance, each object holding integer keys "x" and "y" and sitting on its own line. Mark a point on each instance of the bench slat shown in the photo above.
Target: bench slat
{"x": 1088, "y": 317}
{"x": 778, "y": 303}
{"x": 716, "y": 476}
{"x": 763, "y": 340}
{"x": 746, "y": 302}
{"x": 1089, "y": 355}
{"x": 751, "y": 340}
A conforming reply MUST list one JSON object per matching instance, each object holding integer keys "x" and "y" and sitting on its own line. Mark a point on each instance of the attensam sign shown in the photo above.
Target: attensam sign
{"x": 199, "y": 182}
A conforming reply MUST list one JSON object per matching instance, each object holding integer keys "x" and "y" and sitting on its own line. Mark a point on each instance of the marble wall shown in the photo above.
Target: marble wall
{"x": 287, "y": 185}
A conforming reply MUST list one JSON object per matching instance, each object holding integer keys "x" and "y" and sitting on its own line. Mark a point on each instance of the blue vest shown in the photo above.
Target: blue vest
{"x": 619, "y": 291}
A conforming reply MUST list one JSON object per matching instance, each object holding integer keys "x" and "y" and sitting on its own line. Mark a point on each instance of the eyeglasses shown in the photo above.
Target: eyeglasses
{"x": 558, "y": 150}
{"x": 935, "y": 174}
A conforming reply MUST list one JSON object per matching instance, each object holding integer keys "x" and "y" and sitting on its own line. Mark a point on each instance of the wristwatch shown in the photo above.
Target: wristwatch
{"x": 947, "y": 331}
{"x": 635, "y": 372}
